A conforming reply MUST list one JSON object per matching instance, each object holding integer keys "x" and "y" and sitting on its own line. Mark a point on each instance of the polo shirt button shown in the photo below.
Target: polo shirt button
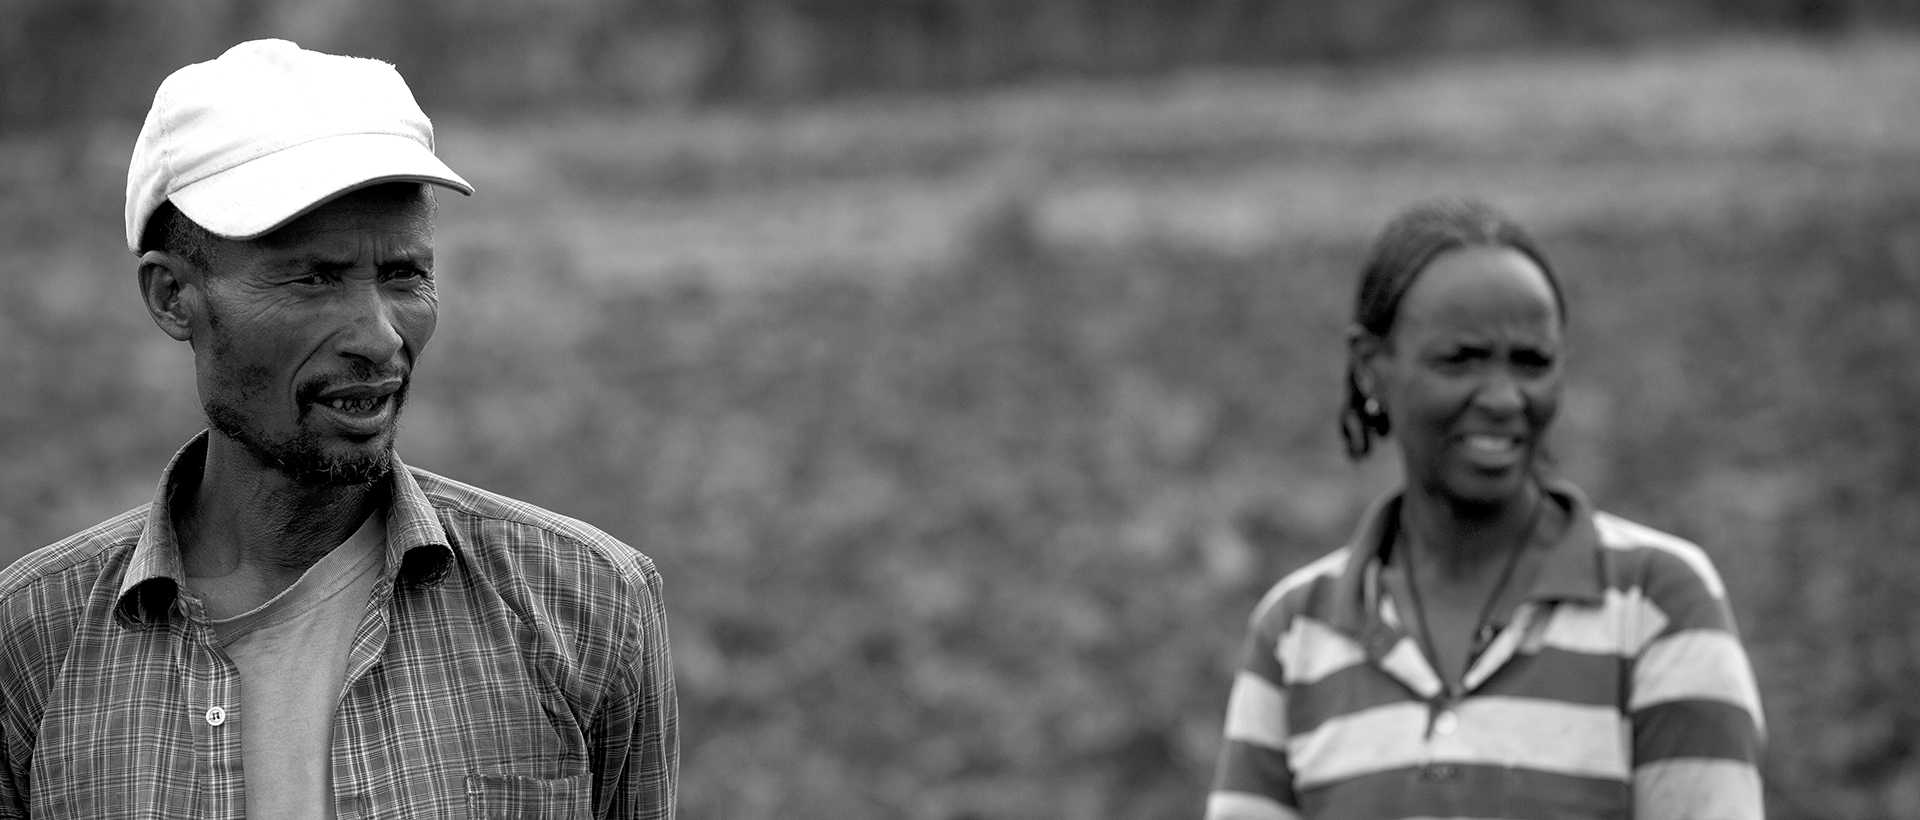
{"x": 216, "y": 716}
{"x": 1446, "y": 724}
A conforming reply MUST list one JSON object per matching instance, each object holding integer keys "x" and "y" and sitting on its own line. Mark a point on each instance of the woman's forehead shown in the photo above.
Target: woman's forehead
{"x": 1479, "y": 285}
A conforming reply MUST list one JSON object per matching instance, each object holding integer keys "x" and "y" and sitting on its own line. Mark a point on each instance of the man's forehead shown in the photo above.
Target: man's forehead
{"x": 403, "y": 221}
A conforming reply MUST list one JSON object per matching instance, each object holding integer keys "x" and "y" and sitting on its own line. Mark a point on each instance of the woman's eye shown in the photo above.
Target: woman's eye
{"x": 1533, "y": 360}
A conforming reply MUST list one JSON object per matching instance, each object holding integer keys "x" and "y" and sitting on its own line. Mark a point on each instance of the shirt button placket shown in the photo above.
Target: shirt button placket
{"x": 211, "y": 695}
{"x": 1443, "y": 722}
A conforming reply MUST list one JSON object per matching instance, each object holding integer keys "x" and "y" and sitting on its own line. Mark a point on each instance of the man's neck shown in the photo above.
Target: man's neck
{"x": 251, "y": 530}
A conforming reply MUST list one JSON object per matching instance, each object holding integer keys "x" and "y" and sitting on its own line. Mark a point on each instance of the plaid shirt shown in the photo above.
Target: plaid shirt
{"x": 511, "y": 662}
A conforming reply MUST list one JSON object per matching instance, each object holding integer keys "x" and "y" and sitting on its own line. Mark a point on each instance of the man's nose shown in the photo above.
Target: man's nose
{"x": 369, "y": 330}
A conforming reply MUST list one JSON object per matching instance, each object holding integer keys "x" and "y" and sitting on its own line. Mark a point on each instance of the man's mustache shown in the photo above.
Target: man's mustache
{"x": 309, "y": 390}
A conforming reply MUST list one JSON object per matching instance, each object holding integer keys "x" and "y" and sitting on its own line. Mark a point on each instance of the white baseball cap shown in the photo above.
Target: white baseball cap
{"x": 244, "y": 143}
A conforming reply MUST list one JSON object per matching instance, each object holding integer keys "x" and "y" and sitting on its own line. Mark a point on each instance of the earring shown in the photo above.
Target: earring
{"x": 1371, "y": 407}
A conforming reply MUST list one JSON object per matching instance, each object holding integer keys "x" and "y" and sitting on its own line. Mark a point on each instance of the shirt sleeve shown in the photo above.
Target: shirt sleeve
{"x": 13, "y": 800}
{"x": 635, "y": 742}
{"x": 1697, "y": 724}
{"x": 1253, "y": 780}
{"x": 24, "y": 680}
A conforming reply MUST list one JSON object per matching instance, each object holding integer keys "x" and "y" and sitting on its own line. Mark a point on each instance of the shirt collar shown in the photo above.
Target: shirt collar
{"x": 1571, "y": 571}
{"x": 417, "y": 546}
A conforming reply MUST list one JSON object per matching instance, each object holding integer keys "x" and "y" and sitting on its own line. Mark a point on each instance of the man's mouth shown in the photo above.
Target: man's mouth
{"x": 361, "y": 409}
{"x": 356, "y": 406}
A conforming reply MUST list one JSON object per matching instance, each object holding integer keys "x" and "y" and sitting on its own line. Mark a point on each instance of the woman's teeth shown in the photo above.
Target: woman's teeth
{"x": 1492, "y": 444}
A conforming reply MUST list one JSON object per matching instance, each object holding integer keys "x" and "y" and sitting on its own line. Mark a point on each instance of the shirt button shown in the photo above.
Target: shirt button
{"x": 216, "y": 716}
{"x": 1446, "y": 724}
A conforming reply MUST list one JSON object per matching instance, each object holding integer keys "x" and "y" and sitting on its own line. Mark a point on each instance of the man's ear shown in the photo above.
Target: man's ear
{"x": 166, "y": 285}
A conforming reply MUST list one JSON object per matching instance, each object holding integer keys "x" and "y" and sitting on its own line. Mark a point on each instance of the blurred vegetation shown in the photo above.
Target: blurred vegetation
{"x": 67, "y": 61}
{"x": 966, "y": 430}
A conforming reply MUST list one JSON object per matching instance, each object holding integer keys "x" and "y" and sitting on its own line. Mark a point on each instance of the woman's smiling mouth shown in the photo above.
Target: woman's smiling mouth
{"x": 1492, "y": 451}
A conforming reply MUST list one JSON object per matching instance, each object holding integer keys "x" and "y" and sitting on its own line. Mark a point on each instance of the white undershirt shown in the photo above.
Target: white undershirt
{"x": 292, "y": 654}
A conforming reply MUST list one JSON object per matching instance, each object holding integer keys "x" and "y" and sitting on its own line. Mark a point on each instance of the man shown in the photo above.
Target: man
{"x": 300, "y": 625}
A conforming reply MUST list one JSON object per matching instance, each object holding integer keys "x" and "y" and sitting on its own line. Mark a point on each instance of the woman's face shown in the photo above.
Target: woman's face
{"x": 1470, "y": 374}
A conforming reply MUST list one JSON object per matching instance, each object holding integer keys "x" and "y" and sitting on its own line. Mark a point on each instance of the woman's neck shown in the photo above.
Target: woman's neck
{"x": 1462, "y": 539}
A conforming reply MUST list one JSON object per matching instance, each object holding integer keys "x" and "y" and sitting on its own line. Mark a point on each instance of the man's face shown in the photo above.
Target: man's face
{"x": 311, "y": 333}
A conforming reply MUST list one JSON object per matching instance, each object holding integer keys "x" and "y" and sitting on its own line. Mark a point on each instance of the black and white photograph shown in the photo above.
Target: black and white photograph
{"x": 960, "y": 409}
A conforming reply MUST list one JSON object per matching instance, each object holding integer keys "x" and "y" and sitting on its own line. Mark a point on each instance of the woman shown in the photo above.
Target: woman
{"x": 1487, "y": 645}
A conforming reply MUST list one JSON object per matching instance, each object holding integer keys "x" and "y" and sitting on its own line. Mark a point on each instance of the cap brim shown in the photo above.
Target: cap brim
{"x": 254, "y": 198}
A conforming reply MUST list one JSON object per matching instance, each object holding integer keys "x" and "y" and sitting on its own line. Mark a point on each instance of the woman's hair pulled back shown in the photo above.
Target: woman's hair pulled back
{"x": 1404, "y": 248}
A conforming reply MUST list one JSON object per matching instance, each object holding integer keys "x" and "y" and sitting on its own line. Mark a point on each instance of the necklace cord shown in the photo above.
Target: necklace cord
{"x": 1480, "y": 624}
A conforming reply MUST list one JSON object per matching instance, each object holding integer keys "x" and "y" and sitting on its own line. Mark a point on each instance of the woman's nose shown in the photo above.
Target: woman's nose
{"x": 1500, "y": 392}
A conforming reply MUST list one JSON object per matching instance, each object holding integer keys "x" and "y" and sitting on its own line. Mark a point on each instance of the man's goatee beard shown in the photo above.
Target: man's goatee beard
{"x": 301, "y": 457}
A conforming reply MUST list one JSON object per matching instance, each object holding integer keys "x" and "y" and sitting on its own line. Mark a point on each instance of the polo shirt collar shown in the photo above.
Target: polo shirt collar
{"x": 1571, "y": 572}
{"x": 417, "y": 546}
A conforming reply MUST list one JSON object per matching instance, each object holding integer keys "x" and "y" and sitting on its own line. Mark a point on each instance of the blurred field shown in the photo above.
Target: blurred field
{"x": 966, "y": 430}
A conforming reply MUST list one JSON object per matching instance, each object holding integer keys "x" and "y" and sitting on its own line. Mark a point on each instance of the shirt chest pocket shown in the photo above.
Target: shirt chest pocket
{"x": 514, "y": 797}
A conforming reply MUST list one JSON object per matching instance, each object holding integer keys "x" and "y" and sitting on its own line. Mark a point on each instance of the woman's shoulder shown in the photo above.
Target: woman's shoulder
{"x": 1639, "y": 555}
{"x": 1656, "y": 553}
{"x": 1315, "y": 588}
{"x": 1292, "y": 594}
{"x": 1633, "y": 556}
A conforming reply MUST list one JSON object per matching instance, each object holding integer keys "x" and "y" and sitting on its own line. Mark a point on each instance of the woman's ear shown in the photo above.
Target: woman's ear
{"x": 167, "y": 283}
{"x": 1363, "y": 347}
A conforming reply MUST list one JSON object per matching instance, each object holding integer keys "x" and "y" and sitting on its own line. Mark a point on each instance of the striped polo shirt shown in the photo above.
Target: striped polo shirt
{"x": 1618, "y": 688}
